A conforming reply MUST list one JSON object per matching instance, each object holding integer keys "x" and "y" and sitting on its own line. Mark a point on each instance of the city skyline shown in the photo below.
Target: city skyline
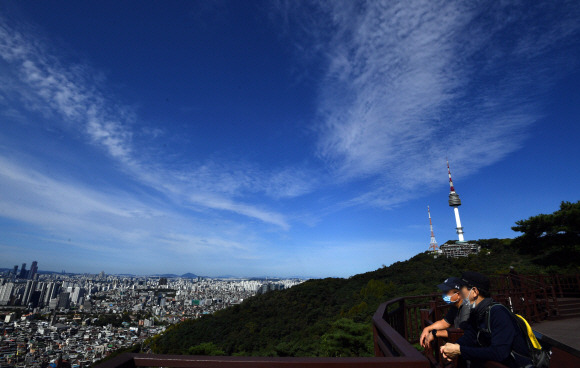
{"x": 9, "y": 271}
{"x": 278, "y": 138}
{"x": 86, "y": 317}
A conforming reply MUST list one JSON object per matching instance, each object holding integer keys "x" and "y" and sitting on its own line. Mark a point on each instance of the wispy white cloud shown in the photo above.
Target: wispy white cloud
{"x": 74, "y": 95}
{"x": 250, "y": 211}
{"x": 70, "y": 92}
{"x": 408, "y": 83}
{"x": 111, "y": 221}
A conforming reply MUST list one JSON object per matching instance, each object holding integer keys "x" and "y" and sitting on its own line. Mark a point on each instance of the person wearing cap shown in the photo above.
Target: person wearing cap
{"x": 504, "y": 342}
{"x": 451, "y": 295}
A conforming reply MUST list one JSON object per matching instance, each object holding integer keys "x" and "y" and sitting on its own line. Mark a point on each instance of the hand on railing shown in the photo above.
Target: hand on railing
{"x": 426, "y": 339}
{"x": 450, "y": 351}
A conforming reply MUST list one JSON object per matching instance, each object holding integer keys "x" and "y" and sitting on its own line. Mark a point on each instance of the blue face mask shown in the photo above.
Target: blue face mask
{"x": 447, "y": 298}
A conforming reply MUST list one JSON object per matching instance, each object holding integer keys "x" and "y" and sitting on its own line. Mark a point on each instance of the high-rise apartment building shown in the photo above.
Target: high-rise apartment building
{"x": 6, "y": 293}
{"x": 23, "y": 272}
{"x": 33, "y": 270}
{"x": 28, "y": 290}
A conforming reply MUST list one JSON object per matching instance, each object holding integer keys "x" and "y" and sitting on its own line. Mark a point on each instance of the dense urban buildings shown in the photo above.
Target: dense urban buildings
{"x": 81, "y": 318}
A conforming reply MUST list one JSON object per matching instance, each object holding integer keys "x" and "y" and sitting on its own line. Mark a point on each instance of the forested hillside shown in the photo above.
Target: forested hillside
{"x": 331, "y": 317}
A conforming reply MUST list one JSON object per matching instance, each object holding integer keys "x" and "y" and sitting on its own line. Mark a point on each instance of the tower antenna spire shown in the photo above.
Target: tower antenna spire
{"x": 455, "y": 202}
{"x": 433, "y": 243}
{"x": 450, "y": 181}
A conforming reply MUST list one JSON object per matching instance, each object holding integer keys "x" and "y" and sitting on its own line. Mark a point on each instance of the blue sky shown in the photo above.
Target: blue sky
{"x": 278, "y": 138}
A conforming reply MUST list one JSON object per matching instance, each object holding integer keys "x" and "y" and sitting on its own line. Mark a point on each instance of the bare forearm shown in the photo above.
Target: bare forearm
{"x": 439, "y": 325}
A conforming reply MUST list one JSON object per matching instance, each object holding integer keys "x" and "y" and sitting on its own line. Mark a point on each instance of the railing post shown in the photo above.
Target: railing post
{"x": 415, "y": 322}
{"x": 555, "y": 300}
{"x": 403, "y": 310}
{"x": 433, "y": 306}
{"x": 546, "y": 298}
{"x": 559, "y": 286}
{"x": 409, "y": 322}
{"x": 378, "y": 351}
{"x": 527, "y": 303}
{"x": 535, "y": 307}
{"x": 424, "y": 317}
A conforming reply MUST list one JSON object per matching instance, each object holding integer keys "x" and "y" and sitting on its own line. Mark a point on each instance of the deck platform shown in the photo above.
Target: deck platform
{"x": 567, "y": 331}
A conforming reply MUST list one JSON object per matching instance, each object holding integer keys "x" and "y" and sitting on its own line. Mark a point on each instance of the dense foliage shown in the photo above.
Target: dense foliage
{"x": 555, "y": 237}
{"x": 332, "y": 317}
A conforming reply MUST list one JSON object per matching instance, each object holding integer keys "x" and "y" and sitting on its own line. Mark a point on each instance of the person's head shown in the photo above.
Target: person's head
{"x": 451, "y": 290}
{"x": 475, "y": 287}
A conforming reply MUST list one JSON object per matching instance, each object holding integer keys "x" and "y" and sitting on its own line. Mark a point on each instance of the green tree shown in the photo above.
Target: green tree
{"x": 565, "y": 221}
{"x": 558, "y": 229}
{"x": 206, "y": 348}
{"x": 374, "y": 289}
{"x": 554, "y": 238}
{"x": 347, "y": 338}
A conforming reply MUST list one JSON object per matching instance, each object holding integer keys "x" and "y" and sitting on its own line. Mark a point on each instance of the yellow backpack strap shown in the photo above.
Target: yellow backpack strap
{"x": 531, "y": 335}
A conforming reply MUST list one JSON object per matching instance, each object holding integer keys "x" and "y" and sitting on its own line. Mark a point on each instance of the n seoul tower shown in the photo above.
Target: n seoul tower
{"x": 455, "y": 202}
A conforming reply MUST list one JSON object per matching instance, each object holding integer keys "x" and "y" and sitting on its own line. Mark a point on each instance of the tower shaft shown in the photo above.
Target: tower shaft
{"x": 458, "y": 223}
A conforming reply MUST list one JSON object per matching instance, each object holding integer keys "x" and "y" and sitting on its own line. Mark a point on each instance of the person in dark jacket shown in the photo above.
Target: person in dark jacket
{"x": 504, "y": 342}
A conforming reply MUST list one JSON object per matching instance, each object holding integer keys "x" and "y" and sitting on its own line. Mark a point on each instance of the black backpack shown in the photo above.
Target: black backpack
{"x": 540, "y": 358}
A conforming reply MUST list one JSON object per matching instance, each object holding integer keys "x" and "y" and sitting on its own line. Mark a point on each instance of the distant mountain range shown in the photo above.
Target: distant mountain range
{"x": 187, "y": 275}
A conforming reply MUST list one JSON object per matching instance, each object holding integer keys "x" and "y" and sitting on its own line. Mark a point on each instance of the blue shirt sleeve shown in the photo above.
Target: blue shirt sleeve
{"x": 503, "y": 333}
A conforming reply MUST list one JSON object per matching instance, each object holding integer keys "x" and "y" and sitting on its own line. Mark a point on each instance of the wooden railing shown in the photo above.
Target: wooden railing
{"x": 535, "y": 296}
{"x": 565, "y": 286}
{"x": 529, "y": 296}
{"x": 392, "y": 335}
{"x": 151, "y": 360}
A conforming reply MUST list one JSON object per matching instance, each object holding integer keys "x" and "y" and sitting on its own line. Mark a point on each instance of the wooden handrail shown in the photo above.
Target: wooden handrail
{"x": 397, "y": 343}
{"x": 129, "y": 360}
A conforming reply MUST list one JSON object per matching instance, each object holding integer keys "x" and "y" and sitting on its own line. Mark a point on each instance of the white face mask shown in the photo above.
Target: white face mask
{"x": 467, "y": 302}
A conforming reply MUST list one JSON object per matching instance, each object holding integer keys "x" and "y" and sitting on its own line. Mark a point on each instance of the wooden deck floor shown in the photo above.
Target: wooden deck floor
{"x": 567, "y": 331}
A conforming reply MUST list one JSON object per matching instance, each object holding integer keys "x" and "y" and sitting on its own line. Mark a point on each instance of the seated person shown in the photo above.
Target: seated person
{"x": 455, "y": 315}
{"x": 503, "y": 342}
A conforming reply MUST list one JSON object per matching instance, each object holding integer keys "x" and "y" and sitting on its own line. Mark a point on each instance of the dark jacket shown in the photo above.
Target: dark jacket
{"x": 505, "y": 338}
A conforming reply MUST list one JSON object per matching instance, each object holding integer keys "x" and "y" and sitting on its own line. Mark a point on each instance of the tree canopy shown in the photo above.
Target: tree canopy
{"x": 565, "y": 221}
{"x": 554, "y": 238}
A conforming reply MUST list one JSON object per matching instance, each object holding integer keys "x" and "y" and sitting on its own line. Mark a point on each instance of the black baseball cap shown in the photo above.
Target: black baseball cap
{"x": 450, "y": 284}
{"x": 475, "y": 279}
